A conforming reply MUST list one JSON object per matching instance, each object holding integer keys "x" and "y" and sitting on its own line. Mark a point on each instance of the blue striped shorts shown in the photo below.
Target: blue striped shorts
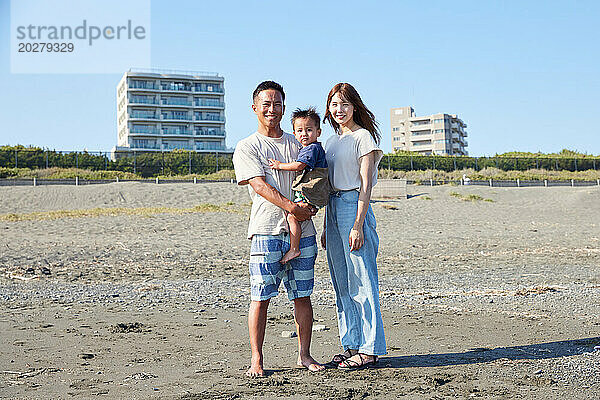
{"x": 266, "y": 272}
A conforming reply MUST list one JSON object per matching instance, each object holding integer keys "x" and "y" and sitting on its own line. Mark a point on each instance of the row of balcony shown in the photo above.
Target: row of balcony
{"x": 154, "y": 116}
{"x": 424, "y": 127}
{"x": 173, "y": 102}
{"x": 164, "y": 146}
{"x": 167, "y": 131}
{"x": 423, "y": 143}
{"x": 176, "y": 87}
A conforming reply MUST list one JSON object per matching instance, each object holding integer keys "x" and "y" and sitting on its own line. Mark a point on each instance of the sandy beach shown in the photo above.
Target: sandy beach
{"x": 496, "y": 297}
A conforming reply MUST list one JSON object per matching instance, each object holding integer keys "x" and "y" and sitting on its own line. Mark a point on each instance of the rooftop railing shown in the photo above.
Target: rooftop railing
{"x": 173, "y": 72}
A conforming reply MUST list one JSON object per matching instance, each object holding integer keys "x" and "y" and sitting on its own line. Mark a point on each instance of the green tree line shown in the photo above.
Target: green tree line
{"x": 177, "y": 162}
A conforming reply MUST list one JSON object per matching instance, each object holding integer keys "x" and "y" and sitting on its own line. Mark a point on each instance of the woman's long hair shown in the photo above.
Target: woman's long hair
{"x": 361, "y": 115}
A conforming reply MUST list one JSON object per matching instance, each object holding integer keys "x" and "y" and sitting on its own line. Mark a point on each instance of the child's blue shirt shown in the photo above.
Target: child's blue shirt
{"x": 313, "y": 156}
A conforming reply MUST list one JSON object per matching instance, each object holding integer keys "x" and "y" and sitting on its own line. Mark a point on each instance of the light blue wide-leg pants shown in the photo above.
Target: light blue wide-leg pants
{"x": 354, "y": 276}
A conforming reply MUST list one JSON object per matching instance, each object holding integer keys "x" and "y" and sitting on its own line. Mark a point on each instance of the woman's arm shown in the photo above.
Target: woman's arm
{"x": 292, "y": 166}
{"x": 367, "y": 163}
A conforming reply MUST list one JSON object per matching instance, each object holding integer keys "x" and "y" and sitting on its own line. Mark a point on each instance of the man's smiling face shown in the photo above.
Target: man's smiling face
{"x": 268, "y": 107}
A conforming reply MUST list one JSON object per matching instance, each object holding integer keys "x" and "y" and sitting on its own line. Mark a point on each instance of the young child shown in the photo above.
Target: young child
{"x": 312, "y": 186}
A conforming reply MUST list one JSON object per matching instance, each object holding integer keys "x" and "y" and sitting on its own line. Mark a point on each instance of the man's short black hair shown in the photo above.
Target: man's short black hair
{"x": 266, "y": 85}
{"x": 308, "y": 113}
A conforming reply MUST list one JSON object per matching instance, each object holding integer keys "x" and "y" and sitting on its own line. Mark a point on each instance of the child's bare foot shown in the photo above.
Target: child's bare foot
{"x": 310, "y": 363}
{"x": 255, "y": 371}
{"x": 290, "y": 255}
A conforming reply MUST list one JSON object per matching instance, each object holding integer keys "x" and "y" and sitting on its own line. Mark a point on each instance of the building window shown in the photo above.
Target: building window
{"x": 176, "y": 86}
{"x": 144, "y": 144}
{"x": 175, "y": 130}
{"x": 209, "y": 146}
{"x": 208, "y": 87}
{"x": 422, "y": 143}
{"x": 176, "y": 144}
{"x": 136, "y": 84}
{"x": 207, "y": 116}
{"x": 208, "y": 131}
{"x": 175, "y": 115}
{"x": 176, "y": 101}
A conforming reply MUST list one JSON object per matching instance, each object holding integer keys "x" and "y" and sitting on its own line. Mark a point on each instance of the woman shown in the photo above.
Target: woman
{"x": 349, "y": 231}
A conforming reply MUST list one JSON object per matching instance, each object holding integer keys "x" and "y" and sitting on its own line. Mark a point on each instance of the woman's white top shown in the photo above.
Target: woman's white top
{"x": 343, "y": 153}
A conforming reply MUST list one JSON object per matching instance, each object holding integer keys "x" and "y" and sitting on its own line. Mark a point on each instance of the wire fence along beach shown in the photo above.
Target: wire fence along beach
{"x": 80, "y": 181}
{"x": 184, "y": 162}
{"x": 394, "y": 188}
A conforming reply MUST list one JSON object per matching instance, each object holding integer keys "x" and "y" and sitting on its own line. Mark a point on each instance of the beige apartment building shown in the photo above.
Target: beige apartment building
{"x": 438, "y": 134}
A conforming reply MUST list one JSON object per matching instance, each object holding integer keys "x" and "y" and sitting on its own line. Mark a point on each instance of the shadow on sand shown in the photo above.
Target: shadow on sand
{"x": 483, "y": 355}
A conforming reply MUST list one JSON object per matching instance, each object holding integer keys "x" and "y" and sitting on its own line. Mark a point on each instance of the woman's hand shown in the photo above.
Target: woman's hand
{"x": 356, "y": 239}
{"x": 323, "y": 240}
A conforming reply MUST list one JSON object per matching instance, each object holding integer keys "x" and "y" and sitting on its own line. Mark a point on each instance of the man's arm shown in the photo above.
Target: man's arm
{"x": 301, "y": 211}
{"x": 292, "y": 166}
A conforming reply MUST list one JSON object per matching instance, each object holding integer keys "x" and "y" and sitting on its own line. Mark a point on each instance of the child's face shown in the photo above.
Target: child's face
{"x": 306, "y": 131}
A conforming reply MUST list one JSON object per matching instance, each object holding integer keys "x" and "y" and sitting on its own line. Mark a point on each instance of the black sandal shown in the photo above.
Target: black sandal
{"x": 340, "y": 358}
{"x": 351, "y": 365}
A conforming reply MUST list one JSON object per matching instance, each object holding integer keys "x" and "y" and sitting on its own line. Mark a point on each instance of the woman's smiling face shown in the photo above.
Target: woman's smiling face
{"x": 341, "y": 110}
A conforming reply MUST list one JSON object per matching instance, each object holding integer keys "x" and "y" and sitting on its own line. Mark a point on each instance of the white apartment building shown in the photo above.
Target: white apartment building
{"x": 163, "y": 110}
{"x": 438, "y": 134}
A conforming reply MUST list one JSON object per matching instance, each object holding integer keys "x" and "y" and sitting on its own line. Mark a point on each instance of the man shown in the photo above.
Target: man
{"x": 270, "y": 191}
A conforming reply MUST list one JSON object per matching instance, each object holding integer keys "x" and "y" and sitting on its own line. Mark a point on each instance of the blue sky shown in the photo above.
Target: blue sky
{"x": 522, "y": 75}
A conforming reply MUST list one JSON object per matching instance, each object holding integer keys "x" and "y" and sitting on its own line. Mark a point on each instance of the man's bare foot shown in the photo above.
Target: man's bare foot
{"x": 310, "y": 363}
{"x": 255, "y": 371}
{"x": 291, "y": 254}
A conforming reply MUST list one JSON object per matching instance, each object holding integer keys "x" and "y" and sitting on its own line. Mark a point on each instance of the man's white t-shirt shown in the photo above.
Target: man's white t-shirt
{"x": 251, "y": 159}
{"x": 343, "y": 153}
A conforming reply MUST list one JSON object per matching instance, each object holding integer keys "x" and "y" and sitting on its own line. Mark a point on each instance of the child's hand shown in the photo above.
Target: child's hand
{"x": 274, "y": 163}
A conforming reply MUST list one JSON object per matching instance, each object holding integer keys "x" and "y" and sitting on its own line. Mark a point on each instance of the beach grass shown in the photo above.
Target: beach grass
{"x": 118, "y": 211}
{"x": 470, "y": 197}
{"x": 63, "y": 173}
{"x": 490, "y": 173}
